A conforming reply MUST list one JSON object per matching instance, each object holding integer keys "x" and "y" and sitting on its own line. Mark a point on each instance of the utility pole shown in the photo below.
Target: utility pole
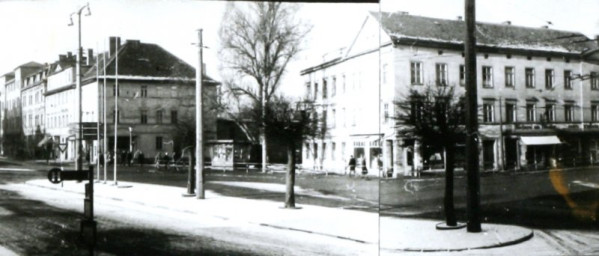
{"x": 116, "y": 106}
{"x": 199, "y": 122}
{"x": 105, "y": 143}
{"x": 473, "y": 177}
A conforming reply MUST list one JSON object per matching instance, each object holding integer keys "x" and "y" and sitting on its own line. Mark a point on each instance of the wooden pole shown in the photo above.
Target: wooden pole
{"x": 199, "y": 123}
{"x": 473, "y": 177}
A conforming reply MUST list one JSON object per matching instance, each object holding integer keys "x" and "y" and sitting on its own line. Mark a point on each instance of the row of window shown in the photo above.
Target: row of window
{"x": 442, "y": 74}
{"x": 511, "y": 112}
{"x": 38, "y": 99}
{"x": 328, "y": 86}
{"x": 315, "y": 148}
{"x": 159, "y": 117}
{"x": 329, "y": 117}
{"x": 532, "y": 115}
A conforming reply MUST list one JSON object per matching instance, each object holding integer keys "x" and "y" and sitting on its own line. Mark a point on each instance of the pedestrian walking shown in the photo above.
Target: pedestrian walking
{"x": 157, "y": 160}
{"x": 141, "y": 158}
{"x": 352, "y": 166}
{"x": 129, "y": 158}
{"x": 364, "y": 169}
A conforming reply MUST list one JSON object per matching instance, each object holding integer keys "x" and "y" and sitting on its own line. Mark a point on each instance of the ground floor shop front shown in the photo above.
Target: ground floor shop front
{"x": 513, "y": 151}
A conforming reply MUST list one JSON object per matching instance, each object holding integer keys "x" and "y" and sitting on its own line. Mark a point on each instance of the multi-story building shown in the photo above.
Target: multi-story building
{"x": 156, "y": 93}
{"x": 537, "y": 89}
{"x": 12, "y": 114}
{"x": 156, "y": 96}
{"x": 59, "y": 103}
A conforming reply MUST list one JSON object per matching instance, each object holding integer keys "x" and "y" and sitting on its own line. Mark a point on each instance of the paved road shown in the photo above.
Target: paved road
{"x": 30, "y": 226}
{"x": 547, "y": 195}
{"x": 561, "y": 206}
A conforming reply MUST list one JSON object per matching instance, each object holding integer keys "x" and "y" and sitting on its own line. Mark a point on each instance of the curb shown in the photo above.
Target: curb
{"x": 312, "y": 232}
{"x": 501, "y": 244}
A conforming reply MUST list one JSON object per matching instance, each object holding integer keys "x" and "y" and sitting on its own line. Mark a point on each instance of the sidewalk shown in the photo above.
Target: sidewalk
{"x": 424, "y": 237}
{"x": 396, "y": 234}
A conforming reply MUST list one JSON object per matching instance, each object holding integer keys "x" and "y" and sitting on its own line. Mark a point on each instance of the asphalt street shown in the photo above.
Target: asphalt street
{"x": 560, "y": 205}
{"x": 32, "y": 226}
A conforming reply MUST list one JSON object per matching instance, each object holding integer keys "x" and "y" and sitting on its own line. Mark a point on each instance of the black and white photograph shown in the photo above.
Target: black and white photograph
{"x": 196, "y": 127}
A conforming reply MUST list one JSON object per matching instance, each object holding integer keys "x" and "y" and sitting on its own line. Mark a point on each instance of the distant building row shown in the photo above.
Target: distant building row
{"x": 156, "y": 93}
{"x": 538, "y": 94}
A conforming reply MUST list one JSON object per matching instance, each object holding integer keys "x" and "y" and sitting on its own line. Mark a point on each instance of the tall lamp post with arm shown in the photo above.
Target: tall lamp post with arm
{"x": 88, "y": 224}
{"x": 79, "y": 150}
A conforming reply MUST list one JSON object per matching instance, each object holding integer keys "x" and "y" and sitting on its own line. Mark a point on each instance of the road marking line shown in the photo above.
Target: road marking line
{"x": 586, "y": 184}
{"x": 16, "y": 169}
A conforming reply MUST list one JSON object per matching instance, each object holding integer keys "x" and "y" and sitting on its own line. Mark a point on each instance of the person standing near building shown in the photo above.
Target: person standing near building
{"x": 157, "y": 160}
{"x": 352, "y": 165}
{"x": 166, "y": 160}
{"x": 364, "y": 168}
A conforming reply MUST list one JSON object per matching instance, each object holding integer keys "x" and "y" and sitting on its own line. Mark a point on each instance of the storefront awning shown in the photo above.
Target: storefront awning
{"x": 540, "y": 140}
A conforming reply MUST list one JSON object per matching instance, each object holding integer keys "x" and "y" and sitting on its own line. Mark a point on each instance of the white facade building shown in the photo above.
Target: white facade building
{"x": 537, "y": 91}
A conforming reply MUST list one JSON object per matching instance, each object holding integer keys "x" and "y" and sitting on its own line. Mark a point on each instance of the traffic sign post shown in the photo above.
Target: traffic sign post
{"x": 88, "y": 224}
{"x": 56, "y": 175}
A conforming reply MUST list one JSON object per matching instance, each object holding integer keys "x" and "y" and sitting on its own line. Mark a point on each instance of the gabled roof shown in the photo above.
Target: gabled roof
{"x": 31, "y": 64}
{"x": 144, "y": 60}
{"x": 401, "y": 25}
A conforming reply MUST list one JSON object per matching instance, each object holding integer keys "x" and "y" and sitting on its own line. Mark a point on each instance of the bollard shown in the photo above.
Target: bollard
{"x": 88, "y": 227}
{"x": 190, "y": 177}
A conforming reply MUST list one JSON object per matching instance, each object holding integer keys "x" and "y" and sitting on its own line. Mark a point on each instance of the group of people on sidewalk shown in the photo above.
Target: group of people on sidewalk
{"x": 361, "y": 163}
{"x": 124, "y": 158}
{"x": 164, "y": 159}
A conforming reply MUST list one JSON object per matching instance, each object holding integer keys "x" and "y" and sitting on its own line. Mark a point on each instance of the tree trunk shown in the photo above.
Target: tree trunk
{"x": 290, "y": 180}
{"x": 450, "y": 216}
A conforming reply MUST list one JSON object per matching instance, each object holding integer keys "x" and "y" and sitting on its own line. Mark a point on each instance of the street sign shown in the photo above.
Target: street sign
{"x": 54, "y": 176}
{"x": 63, "y": 147}
{"x": 57, "y": 175}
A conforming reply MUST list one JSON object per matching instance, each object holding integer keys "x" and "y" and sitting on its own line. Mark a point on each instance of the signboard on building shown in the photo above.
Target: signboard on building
{"x": 90, "y": 130}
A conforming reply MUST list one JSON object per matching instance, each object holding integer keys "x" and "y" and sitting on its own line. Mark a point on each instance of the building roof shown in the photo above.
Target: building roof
{"x": 401, "y": 25}
{"x": 145, "y": 60}
{"x": 31, "y": 64}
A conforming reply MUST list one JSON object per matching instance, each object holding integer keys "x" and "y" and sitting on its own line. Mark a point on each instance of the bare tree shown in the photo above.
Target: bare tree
{"x": 258, "y": 40}
{"x": 292, "y": 123}
{"x": 434, "y": 115}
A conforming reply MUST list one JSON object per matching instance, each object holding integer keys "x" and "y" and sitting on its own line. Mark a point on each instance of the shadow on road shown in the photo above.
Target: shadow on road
{"x": 31, "y": 227}
{"x": 541, "y": 212}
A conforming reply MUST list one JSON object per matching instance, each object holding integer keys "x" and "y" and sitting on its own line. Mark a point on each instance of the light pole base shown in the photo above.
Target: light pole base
{"x": 444, "y": 226}
{"x": 188, "y": 195}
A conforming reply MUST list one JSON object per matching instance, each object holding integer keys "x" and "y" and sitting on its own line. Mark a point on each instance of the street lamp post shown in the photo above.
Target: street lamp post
{"x": 88, "y": 224}
{"x": 78, "y": 151}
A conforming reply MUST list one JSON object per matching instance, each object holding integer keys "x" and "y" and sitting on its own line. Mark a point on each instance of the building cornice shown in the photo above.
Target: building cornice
{"x": 340, "y": 60}
{"x": 482, "y": 48}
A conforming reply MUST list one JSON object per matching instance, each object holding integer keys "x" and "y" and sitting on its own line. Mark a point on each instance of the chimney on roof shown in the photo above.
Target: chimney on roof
{"x": 507, "y": 22}
{"x": 460, "y": 18}
{"x": 133, "y": 43}
{"x": 62, "y": 57}
{"x": 544, "y": 26}
{"x": 69, "y": 55}
{"x": 90, "y": 57}
{"x": 115, "y": 42}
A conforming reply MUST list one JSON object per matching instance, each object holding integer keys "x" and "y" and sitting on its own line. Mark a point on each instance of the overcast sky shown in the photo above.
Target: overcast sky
{"x": 38, "y": 31}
